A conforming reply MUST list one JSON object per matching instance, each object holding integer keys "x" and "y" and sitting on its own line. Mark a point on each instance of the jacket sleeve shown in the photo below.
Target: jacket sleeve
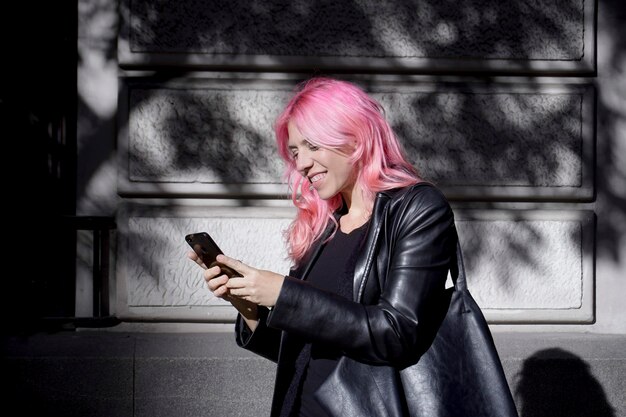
{"x": 263, "y": 341}
{"x": 417, "y": 252}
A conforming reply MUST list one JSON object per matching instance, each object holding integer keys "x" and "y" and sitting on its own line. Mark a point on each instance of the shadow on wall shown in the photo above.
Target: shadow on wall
{"x": 234, "y": 29}
{"x": 555, "y": 382}
{"x": 284, "y": 30}
{"x": 611, "y": 116}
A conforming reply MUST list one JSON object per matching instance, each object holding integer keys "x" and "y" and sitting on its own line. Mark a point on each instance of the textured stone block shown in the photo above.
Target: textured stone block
{"x": 157, "y": 280}
{"x": 532, "y": 266}
{"x": 514, "y": 141}
{"x": 477, "y": 34}
{"x": 523, "y": 266}
{"x": 213, "y": 136}
{"x": 204, "y": 135}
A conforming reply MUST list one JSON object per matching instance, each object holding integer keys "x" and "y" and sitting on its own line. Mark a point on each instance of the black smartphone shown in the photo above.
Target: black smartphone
{"x": 206, "y": 248}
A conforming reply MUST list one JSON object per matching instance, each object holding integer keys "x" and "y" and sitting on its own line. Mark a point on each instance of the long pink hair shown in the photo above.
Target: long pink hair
{"x": 338, "y": 115}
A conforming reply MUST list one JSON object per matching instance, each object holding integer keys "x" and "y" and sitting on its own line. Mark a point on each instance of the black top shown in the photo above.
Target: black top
{"x": 333, "y": 272}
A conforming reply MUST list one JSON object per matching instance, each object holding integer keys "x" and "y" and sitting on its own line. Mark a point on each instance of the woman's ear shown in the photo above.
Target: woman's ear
{"x": 349, "y": 148}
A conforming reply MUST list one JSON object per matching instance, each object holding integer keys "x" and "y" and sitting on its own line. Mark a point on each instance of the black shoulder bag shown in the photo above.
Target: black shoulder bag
{"x": 458, "y": 375}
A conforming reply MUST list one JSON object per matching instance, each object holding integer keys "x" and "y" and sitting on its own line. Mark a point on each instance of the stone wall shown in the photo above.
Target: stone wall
{"x": 509, "y": 108}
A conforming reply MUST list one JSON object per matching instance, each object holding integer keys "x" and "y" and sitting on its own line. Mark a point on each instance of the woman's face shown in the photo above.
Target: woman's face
{"x": 329, "y": 171}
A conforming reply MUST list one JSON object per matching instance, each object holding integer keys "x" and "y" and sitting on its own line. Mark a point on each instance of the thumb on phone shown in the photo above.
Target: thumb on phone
{"x": 233, "y": 264}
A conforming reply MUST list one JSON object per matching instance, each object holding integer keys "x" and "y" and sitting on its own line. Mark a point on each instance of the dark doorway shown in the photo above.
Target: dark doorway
{"x": 38, "y": 127}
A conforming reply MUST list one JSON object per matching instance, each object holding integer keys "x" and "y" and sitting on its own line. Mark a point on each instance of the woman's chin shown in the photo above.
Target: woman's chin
{"x": 325, "y": 194}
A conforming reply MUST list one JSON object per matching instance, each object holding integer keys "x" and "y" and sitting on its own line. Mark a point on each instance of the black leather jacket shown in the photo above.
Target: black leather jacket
{"x": 410, "y": 246}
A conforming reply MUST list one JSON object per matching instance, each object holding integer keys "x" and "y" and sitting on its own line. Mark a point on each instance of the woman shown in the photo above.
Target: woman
{"x": 371, "y": 246}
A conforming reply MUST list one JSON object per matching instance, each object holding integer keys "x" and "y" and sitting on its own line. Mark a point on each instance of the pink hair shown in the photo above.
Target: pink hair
{"x": 338, "y": 115}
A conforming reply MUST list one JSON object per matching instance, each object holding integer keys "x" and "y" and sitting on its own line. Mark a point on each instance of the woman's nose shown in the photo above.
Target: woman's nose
{"x": 304, "y": 162}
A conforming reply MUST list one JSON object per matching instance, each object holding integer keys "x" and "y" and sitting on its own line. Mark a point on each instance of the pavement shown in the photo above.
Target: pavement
{"x": 99, "y": 372}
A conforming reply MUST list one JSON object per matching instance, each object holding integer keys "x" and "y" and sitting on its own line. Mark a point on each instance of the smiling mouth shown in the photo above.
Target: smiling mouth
{"x": 315, "y": 178}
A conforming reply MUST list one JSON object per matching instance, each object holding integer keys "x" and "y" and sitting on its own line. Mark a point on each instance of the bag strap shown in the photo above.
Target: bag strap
{"x": 458, "y": 276}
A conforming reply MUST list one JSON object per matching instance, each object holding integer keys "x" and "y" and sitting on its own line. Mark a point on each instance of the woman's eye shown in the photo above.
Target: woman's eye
{"x": 312, "y": 147}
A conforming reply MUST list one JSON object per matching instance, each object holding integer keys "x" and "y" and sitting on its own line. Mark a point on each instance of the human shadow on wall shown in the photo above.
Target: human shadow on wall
{"x": 555, "y": 382}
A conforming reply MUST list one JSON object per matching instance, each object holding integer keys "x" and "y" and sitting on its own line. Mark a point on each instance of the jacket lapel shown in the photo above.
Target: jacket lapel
{"x": 365, "y": 261}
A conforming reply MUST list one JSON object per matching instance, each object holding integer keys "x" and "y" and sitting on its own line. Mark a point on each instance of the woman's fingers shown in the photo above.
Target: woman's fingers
{"x": 216, "y": 281}
{"x": 218, "y": 288}
{"x": 235, "y": 264}
{"x": 258, "y": 286}
{"x": 194, "y": 257}
{"x": 254, "y": 285}
{"x": 212, "y": 273}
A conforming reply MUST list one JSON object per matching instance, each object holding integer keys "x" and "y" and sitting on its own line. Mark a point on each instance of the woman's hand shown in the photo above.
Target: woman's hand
{"x": 216, "y": 283}
{"x": 213, "y": 276}
{"x": 257, "y": 286}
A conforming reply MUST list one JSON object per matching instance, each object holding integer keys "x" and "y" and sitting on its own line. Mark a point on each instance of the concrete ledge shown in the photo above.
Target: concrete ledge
{"x": 205, "y": 374}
